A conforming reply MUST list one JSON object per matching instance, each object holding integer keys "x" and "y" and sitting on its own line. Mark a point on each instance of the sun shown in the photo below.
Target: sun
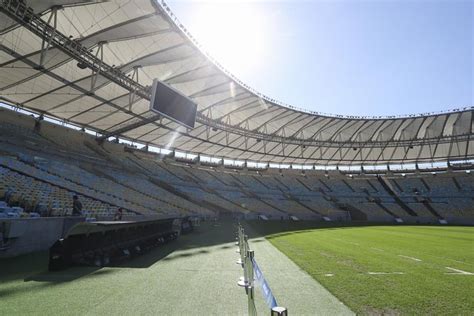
{"x": 234, "y": 34}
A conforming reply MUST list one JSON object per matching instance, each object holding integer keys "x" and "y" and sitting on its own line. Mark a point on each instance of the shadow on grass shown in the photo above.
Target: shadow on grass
{"x": 272, "y": 229}
{"x": 67, "y": 275}
{"x": 43, "y": 280}
{"x": 20, "y": 267}
{"x": 34, "y": 267}
{"x": 6, "y": 290}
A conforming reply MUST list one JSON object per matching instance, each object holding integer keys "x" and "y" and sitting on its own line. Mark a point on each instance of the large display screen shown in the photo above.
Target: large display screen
{"x": 172, "y": 104}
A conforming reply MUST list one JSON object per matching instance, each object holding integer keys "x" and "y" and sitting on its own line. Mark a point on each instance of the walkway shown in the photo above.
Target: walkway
{"x": 195, "y": 275}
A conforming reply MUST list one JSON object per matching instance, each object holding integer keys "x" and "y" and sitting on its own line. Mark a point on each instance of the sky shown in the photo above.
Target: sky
{"x": 351, "y": 57}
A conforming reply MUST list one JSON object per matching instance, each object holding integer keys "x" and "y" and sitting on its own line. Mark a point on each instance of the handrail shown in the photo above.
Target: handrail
{"x": 253, "y": 277}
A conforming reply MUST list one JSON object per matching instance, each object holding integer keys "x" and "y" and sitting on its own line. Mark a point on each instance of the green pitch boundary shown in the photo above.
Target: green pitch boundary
{"x": 195, "y": 275}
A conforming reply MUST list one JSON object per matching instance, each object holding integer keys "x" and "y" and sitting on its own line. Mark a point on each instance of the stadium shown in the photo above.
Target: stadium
{"x": 176, "y": 164}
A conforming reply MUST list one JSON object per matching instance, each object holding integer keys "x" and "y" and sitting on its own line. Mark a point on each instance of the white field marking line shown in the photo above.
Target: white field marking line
{"x": 383, "y": 273}
{"x": 454, "y": 260}
{"x": 439, "y": 257}
{"x": 459, "y": 272}
{"x": 378, "y": 249}
{"x": 329, "y": 274}
{"x": 412, "y": 258}
{"x": 347, "y": 242}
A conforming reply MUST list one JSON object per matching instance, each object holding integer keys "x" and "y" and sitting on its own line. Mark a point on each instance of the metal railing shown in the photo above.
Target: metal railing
{"x": 253, "y": 277}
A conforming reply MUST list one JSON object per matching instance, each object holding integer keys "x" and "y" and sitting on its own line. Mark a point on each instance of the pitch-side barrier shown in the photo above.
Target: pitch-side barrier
{"x": 253, "y": 277}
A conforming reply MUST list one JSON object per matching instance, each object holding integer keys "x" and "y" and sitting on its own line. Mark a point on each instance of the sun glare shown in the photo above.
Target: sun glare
{"x": 232, "y": 33}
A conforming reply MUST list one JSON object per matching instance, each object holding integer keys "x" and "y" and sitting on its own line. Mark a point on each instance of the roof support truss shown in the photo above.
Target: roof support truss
{"x": 277, "y": 127}
{"x": 130, "y": 127}
{"x": 46, "y": 42}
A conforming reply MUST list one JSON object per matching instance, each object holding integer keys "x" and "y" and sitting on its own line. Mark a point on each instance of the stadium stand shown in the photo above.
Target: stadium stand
{"x": 75, "y": 120}
{"x": 39, "y": 174}
{"x": 80, "y": 116}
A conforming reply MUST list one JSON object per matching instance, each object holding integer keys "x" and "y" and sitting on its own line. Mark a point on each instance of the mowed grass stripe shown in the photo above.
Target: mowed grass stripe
{"x": 349, "y": 254}
{"x": 416, "y": 244}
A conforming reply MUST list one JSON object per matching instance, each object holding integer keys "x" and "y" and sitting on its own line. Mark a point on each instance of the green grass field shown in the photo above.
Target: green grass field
{"x": 197, "y": 274}
{"x": 387, "y": 269}
{"x": 184, "y": 277}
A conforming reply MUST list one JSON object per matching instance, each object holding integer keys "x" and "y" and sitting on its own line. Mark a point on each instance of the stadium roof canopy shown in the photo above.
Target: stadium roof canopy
{"x": 91, "y": 63}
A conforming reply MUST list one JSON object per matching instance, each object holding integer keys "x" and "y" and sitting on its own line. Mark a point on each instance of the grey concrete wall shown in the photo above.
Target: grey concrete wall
{"x": 25, "y": 235}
